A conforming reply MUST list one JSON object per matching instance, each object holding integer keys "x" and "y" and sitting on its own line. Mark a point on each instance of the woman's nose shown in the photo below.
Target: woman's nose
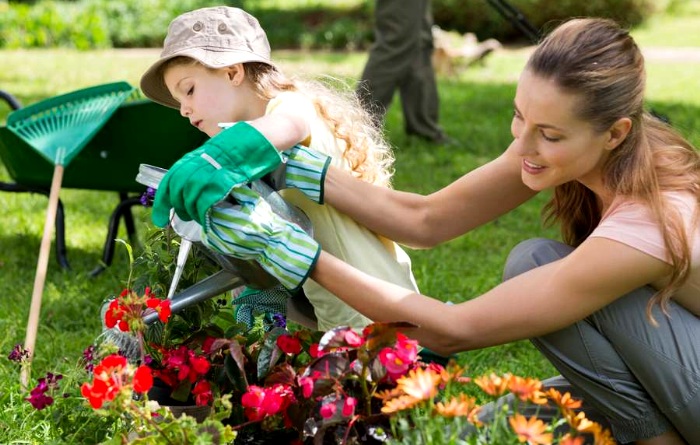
{"x": 523, "y": 145}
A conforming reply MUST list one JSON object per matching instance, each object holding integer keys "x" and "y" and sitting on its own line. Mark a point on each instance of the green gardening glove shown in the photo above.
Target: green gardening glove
{"x": 205, "y": 176}
{"x": 303, "y": 169}
{"x": 250, "y": 230}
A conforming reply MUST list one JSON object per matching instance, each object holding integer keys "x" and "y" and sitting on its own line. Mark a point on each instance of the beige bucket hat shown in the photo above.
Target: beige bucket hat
{"x": 216, "y": 37}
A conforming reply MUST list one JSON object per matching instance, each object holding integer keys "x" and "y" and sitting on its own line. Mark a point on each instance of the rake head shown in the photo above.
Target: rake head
{"x": 59, "y": 127}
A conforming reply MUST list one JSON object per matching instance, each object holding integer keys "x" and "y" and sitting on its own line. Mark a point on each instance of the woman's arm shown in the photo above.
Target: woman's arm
{"x": 540, "y": 301}
{"x": 425, "y": 221}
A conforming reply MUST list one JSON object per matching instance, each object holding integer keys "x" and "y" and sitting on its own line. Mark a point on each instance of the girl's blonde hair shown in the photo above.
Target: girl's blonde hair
{"x": 366, "y": 150}
{"x": 600, "y": 63}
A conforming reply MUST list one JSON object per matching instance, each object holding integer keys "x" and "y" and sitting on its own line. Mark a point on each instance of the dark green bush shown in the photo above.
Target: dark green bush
{"x": 479, "y": 17}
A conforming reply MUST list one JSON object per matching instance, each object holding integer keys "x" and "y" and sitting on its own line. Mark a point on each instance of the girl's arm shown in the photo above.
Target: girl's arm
{"x": 425, "y": 221}
{"x": 537, "y": 302}
{"x": 283, "y": 130}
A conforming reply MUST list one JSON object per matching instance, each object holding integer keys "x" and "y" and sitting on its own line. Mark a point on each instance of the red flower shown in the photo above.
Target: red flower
{"x": 314, "y": 351}
{"x": 289, "y": 344}
{"x": 202, "y": 393}
{"x": 262, "y": 402}
{"x": 252, "y": 401}
{"x": 162, "y": 307}
{"x": 108, "y": 381}
{"x": 143, "y": 379}
{"x": 114, "y": 315}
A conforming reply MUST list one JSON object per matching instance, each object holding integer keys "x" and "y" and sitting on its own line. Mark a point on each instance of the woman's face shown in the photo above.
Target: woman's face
{"x": 208, "y": 97}
{"x": 555, "y": 146}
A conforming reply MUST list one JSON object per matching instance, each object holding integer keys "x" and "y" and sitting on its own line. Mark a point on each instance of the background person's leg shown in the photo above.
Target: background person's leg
{"x": 645, "y": 380}
{"x": 418, "y": 90}
{"x": 391, "y": 57}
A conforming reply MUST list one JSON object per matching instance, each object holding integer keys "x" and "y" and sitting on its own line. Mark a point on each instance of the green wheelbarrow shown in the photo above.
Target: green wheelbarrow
{"x": 93, "y": 139}
{"x": 138, "y": 132}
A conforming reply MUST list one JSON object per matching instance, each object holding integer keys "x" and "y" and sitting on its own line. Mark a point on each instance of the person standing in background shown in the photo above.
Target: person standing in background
{"x": 400, "y": 58}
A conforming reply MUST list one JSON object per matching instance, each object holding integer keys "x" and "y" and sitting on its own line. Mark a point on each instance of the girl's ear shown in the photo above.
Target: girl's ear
{"x": 235, "y": 73}
{"x": 618, "y": 132}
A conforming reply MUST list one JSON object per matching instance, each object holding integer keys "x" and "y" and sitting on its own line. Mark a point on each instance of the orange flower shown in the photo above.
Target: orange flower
{"x": 460, "y": 406}
{"x": 399, "y": 404}
{"x": 532, "y": 431}
{"x": 493, "y": 385}
{"x": 388, "y": 394}
{"x": 527, "y": 389}
{"x": 580, "y": 423}
{"x": 421, "y": 384}
{"x": 571, "y": 440}
{"x": 604, "y": 437}
{"x": 564, "y": 401}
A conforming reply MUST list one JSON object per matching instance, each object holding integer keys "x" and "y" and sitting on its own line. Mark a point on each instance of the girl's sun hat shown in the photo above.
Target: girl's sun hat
{"x": 216, "y": 37}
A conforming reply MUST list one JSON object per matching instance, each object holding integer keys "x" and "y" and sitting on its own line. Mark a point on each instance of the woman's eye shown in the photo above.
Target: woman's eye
{"x": 516, "y": 115}
{"x": 550, "y": 139}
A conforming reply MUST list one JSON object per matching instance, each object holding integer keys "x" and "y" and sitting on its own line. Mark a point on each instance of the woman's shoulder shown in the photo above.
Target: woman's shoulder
{"x": 683, "y": 201}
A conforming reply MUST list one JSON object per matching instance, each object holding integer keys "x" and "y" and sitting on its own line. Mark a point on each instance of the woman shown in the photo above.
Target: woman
{"x": 616, "y": 308}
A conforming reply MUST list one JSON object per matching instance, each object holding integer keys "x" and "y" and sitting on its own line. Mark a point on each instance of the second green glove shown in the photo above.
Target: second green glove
{"x": 250, "y": 230}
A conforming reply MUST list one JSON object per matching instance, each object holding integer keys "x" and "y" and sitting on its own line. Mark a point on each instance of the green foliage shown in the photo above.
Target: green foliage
{"x": 138, "y": 24}
{"x": 307, "y": 24}
{"x": 51, "y": 24}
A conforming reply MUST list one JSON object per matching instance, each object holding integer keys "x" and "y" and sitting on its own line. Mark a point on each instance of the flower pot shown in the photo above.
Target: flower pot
{"x": 160, "y": 392}
{"x": 198, "y": 412}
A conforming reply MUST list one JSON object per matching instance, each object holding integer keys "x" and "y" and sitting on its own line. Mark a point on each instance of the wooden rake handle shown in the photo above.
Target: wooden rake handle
{"x": 40, "y": 277}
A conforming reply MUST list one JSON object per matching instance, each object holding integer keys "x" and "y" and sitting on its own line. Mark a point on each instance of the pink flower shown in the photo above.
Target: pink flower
{"x": 349, "y": 406}
{"x": 328, "y": 410}
{"x": 353, "y": 339}
{"x": 307, "y": 386}
{"x": 395, "y": 366}
{"x": 406, "y": 348}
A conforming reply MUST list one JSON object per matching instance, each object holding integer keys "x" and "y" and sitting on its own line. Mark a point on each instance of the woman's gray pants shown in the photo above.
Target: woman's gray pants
{"x": 635, "y": 378}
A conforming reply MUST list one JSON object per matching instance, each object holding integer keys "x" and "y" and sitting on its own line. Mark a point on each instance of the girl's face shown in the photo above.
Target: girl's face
{"x": 208, "y": 97}
{"x": 555, "y": 146}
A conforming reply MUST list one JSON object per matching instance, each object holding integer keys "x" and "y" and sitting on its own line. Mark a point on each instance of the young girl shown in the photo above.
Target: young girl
{"x": 617, "y": 308}
{"x": 215, "y": 68}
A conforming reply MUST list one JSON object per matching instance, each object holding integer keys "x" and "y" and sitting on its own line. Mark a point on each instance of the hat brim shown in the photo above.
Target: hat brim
{"x": 152, "y": 82}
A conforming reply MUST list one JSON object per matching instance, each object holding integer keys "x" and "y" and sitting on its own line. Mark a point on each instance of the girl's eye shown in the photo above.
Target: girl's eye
{"x": 190, "y": 91}
{"x": 516, "y": 115}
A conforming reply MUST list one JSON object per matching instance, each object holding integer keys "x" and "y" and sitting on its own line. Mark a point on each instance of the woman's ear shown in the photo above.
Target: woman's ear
{"x": 235, "y": 73}
{"x": 618, "y": 132}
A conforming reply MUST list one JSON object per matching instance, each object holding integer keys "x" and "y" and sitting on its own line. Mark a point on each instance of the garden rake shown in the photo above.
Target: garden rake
{"x": 58, "y": 128}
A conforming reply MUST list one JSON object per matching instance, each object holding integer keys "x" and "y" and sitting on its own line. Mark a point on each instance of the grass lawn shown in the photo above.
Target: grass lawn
{"x": 475, "y": 109}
